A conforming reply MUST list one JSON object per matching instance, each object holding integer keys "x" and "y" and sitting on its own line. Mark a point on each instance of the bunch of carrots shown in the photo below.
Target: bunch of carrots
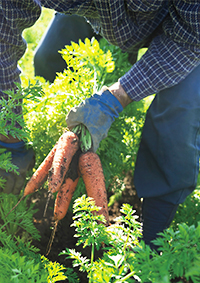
{"x": 70, "y": 159}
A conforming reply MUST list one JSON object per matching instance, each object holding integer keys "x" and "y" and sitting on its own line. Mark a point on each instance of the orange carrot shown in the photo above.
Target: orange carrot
{"x": 65, "y": 194}
{"x": 39, "y": 177}
{"x": 92, "y": 173}
{"x": 62, "y": 203}
{"x": 41, "y": 174}
{"x": 64, "y": 197}
{"x": 68, "y": 145}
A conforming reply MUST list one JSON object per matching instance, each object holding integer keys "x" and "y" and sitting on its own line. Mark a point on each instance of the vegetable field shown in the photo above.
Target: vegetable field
{"x": 57, "y": 234}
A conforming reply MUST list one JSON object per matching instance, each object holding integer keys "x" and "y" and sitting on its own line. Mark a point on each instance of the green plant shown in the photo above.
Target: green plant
{"x": 188, "y": 212}
{"x": 180, "y": 257}
{"x": 125, "y": 256}
{"x": 117, "y": 239}
{"x": 19, "y": 260}
{"x": 6, "y": 164}
{"x": 8, "y": 117}
{"x": 20, "y": 221}
{"x": 90, "y": 56}
{"x": 116, "y": 263}
{"x": 16, "y": 268}
{"x": 55, "y": 270}
{"x": 22, "y": 266}
{"x": 14, "y": 99}
{"x": 89, "y": 231}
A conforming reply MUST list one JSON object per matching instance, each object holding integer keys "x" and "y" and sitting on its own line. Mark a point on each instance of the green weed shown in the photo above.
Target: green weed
{"x": 126, "y": 257}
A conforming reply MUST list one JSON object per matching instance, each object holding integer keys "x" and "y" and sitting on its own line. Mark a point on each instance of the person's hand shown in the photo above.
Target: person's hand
{"x": 97, "y": 113}
{"x": 24, "y": 159}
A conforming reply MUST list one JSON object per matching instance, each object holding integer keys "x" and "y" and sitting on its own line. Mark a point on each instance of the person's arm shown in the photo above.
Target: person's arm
{"x": 15, "y": 16}
{"x": 117, "y": 90}
{"x": 171, "y": 55}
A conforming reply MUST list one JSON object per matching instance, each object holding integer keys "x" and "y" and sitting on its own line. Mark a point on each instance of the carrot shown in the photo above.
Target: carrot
{"x": 68, "y": 145}
{"x": 62, "y": 203}
{"x": 39, "y": 177}
{"x": 64, "y": 195}
{"x": 92, "y": 173}
{"x": 41, "y": 174}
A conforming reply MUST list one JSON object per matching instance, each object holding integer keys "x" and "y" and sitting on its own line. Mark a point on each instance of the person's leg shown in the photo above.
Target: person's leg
{"x": 167, "y": 164}
{"x": 157, "y": 216}
{"x": 62, "y": 31}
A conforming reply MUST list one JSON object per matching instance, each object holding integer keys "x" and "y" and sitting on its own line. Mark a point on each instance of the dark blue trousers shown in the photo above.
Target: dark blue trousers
{"x": 157, "y": 215}
{"x": 167, "y": 164}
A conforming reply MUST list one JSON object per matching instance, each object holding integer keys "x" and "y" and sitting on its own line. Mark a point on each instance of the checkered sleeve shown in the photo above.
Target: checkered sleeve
{"x": 171, "y": 55}
{"x": 15, "y": 16}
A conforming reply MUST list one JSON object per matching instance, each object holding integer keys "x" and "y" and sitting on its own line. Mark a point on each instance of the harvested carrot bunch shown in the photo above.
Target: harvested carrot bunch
{"x": 59, "y": 157}
{"x": 85, "y": 164}
{"x": 70, "y": 159}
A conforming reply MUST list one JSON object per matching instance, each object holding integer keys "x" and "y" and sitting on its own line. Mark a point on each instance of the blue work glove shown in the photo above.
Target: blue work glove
{"x": 97, "y": 113}
{"x": 24, "y": 159}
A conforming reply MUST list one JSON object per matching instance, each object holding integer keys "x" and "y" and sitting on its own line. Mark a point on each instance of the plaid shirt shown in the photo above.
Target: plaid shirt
{"x": 173, "y": 53}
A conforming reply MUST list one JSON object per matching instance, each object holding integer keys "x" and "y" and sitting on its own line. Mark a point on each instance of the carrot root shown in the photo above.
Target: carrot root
{"x": 92, "y": 173}
{"x": 38, "y": 178}
{"x": 64, "y": 197}
{"x": 61, "y": 206}
{"x": 47, "y": 203}
{"x": 68, "y": 145}
{"x": 41, "y": 174}
{"x": 51, "y": 238}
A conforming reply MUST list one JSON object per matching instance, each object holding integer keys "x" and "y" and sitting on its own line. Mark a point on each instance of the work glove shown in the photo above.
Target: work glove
{"x": 24, "y": 159}
{"x": 97, "y": 113}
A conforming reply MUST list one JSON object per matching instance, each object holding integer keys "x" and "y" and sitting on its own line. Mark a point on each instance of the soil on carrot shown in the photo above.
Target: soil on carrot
{"x": 64, "y": 236}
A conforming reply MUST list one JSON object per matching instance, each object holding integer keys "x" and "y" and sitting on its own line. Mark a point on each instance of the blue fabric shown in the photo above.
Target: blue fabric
{"x": 168, "y": 158}
{"x": 24, "y": 159}
{"x": 17, "y": 149}
{"x": 97, "y": 113}
{"x": 157, "y": 216}
{"x": 16, "y": 146}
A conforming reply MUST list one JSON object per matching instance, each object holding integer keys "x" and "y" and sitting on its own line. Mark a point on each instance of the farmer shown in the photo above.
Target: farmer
{"x": 168, "y": 159}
